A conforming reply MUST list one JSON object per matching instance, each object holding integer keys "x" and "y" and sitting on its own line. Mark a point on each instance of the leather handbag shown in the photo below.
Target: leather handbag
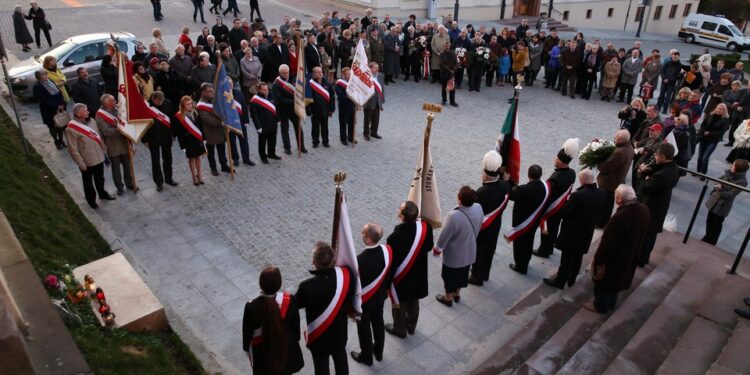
{"x": 61, "y": 119}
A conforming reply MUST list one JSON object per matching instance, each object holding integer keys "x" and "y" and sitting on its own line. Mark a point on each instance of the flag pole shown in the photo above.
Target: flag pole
{"x": 354, "y": 125}
{"x": 229, "y": 153}
{"x": 338, "y": 179}
{"x": 299, "y": 136}
{"x": 132, "y": 167}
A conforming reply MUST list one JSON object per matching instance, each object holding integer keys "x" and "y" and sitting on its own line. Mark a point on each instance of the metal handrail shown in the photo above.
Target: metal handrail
{"x": 546, "y": 5}
{"x": 698, "y": 206}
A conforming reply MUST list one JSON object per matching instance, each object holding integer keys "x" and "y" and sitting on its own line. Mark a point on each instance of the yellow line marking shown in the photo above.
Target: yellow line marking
{"x": 72, "y": 3}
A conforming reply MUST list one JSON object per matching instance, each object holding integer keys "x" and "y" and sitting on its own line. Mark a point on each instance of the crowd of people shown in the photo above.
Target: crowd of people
{"x": 178, "y": 87}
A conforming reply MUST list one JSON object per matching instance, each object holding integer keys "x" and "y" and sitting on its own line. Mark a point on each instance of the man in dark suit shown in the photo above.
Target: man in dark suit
{"x": 373, "y": 107}
{"x": 159, "y": 140}
{"x": 322, "y": 107}
{"x": 236, "y": 35}
{"x": 374, "y": 265}
{"x": 282, "y": 92}
{"x": 448, "y": 66}
{"x": 615, "y": 259}
{"x": 312, "y": 55}
{"x": 314, "y": 295}
{"x": 561, "y": 183}
{"x": 528, "y": 203}
{"x": 276, "y": 55}
{"x": 263, "y": 113}
{"x": 346, "y": 108}
{"x": 578, "y": 217}
{"x": 493, "y": 197}
{"x": 612, "y": 172}
{"x": 656, "y": 193}
{"x": 409, "y": 269}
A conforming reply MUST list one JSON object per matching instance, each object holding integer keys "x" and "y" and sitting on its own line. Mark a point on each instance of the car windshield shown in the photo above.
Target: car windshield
{"x": 57, "y": 51}
{"x": 735, "y": 30}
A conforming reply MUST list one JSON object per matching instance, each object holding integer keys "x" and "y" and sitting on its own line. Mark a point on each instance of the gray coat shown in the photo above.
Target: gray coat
{"x": 391, "y": 60}
{"x": 376, "y": 101}
{"x": 720, "y": 201}
{"x": 535, "y": 57}
{"x": 458, "y": 239}
{"x": 116, "y": 143}
{"x": 631, "y": 70}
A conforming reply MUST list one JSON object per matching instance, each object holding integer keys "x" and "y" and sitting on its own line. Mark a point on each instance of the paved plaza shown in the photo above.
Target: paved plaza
{"x": 201, "y": 249}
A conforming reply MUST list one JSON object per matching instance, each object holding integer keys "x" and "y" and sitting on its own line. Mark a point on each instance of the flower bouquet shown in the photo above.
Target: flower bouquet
{"x": 482, "y": 54}
{"x": 595, "y": 153}
{"x": 461, "y": 56}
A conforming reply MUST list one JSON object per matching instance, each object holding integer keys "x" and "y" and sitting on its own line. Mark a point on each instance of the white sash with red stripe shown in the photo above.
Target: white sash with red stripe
{"x": 237, "y": 105}
{"x": 107, "y": 117}
{"x": 318, "y": 326}
{"x": 557, "y": 204}
{"x": 343, "y": 84}
{"x": 522, "y": 228}
{"x": 317, "y": 87}
{"x": 204, "y": 106}
{"x": 488, "y": 219}
{"x": 378, "y": 88}
{"x": 283, "y": 299}
{"x": 265, "y": 103}
{"x": 405, "y": 266}
{"x": 159, "y": 115}
{"x": 369, "y": 290}
{"x": 189, "y": 126}
{"x": 86, "y": 131}
{"x": 285, "y": 85}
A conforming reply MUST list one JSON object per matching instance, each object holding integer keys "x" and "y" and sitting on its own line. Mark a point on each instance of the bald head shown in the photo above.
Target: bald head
{"x": 586, "y": 177}
{"x": 372, "y": 233}
{"x": 624, "y": 194}
{"x": 622, "y": 137}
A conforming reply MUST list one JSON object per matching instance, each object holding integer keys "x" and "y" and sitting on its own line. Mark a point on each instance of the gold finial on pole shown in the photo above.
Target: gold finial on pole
{"x": 339, "y": 178}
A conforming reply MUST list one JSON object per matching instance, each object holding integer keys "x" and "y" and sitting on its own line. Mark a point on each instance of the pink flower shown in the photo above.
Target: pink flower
{"x": 50, "y": 281}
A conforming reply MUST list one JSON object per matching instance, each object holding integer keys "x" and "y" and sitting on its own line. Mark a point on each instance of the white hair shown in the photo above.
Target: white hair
{"x": 587, "y": 176}
{"x": 210, "y": 37}
{"x": 625, "y": 192}
{"x": 283, "y": 67}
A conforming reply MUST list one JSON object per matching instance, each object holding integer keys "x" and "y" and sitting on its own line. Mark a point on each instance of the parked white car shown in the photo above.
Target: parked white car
{"x": 713, "y": 31}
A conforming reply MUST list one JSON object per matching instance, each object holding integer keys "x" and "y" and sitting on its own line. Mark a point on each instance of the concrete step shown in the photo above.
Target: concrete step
{"x": 708, "y": 333}
{"x": 598, "y": 352}
{"x": 653, "y": 342}
{"x": 734, "y": 359}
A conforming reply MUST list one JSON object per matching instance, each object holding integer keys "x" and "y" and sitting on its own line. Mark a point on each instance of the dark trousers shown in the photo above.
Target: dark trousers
{"x": 161, "y": 162}
{"x": 705, "y": 149}
{"x": 568, "y": 83}
{"x": 157, "y": 10}
{"x": 369, "y": 327}
{"x": 346, "y": 125}
{"x": 713, "y": 228}
{"x": 57, "y": 134}
{"x": 489, "y": 73}
{"x": 93, "y": 183}
{"x": 475, "y": 78}
{"x": 285, "y": 133}
{"x": 232, "y": 7}
{"x": 222, "y": 151}
{"x": 609, "y": 203}
{"x": 548, "y": 240}
{"x": 198, "y": 7}
{"x": 452, "y": 94}
{"x": 412, "y": 69}
{"x": 529, "y": 76}
{"x": 480, "y": 270}
{"x": 319, "y": 129}
{"x": 254, "y": 8}
{"x": 340, "y": 360}
{"x": 405, "y": 317}
{"x": 648, "y": 244}
{"x": 522, "y": 250}
{"x": 215, "y": 5}
{"x": 733, "y": 127}
{"x": 551, "y": 81}
{"x": 626, "y": 92}
{"x": 570, "y": 266}
{"x": 665, "y": 97}
{"x": 604, "y": 300}
{"x": 435, "y": 76}
{"x": 266, "y": 145}
{"x": 121, "y": 170}
{"x": 589, "y": 87}
{"x": 371, "y": 121}
{"x": 38, "y": 30}
{"x": 244, "y": 147}
{"x": 459, "y": 77}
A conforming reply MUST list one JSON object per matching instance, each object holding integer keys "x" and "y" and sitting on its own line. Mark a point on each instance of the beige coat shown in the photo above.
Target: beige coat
{"x": 116, "y": 143}
{"x": 213, "y": 129}
{"x": 437, "y": 44}
{"x": 84, "y": 150}
{"x": 611, "y": 74}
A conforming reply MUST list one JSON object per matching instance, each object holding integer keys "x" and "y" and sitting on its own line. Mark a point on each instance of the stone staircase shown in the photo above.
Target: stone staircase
{"x": 514, "y": 22}
{"x": 677, "y": 318}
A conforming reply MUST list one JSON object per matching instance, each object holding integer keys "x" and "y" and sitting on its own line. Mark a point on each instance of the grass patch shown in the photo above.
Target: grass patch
{"x": 54, "y": 232}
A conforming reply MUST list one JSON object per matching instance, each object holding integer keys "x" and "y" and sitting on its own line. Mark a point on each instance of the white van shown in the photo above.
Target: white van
{"x": 713, "y": 31}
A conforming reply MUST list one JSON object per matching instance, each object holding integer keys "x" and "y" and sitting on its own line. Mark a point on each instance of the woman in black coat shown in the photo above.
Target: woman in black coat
{"x": 51, "y": 102}
{"x": 23, "y": 37}
{"x": 40, "y": 23}
{"x": 710, "y": 134}
{"x": 109, "y": 75}
{"x": 270, "y": 328}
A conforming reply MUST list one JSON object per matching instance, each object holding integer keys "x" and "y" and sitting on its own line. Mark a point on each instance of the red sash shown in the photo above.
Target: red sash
{"x": 189, "y": 126}
{"x": 403, "y": 269}
{"x": 317, "y": 87}
{"x": 343, "y": 84}
{"x": 554, "y": 207}
{"x": 87, "y": 131}
{"x": 159, "y": 115}
{"x": 264, "y": 103}
{"x": 527, "y": 224}
{"x": 107, "y": 117}
{"x": 378, "y": 88}
{"x": 426, "y": 64}
{"x": 285, "y": 85}
{"x": 369, "y": 290}
{"x": 283, "y": 299}
{"x": 238, "y": 106}
{"x": 318, "y": 326}
{"x": 204, "y": 106}
{"x": 488, "y": 219}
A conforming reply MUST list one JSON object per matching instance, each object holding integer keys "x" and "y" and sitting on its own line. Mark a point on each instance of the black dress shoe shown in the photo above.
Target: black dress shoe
{"x": 225, "y": 169}
{"x": 378, "y": 357}
{"x": 344, "y": 142}
{"x": 743, "y": 313}
{"x": 214, "y": 172}
{"x": 367, "y": 137}
{"x": 377, "y": 136}
{"x": 513, "y": 267}
{"x": 390, "y": 329}
{"x": 93, "y": 205}
{"x": 454, "y": 104}
{"x": 120, "y": 191}
{"x": 441, "y": 298}
{"x": 304, "y": 150}
{"x": 474, "y": 281}
{"x": 264, "y": 161}
{"x": 288, "y": 151}
{"x": 171, "y": 183}
{"x": 326, "y": 145}
{"x": 540, "y": 254}
{"x": 249, "y": 162}
{"x": 107, "y": 197}
{"x": 275, "y": 157}
{"x": 457, "y": 299}
{"x": 159, "y": 187}
{"x": 552, "y": 283}
{"x": 357, "y": 356}
{"x": 315, "y": 145}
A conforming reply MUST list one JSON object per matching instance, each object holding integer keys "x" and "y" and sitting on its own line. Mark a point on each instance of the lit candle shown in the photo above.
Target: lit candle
{"x": 100, "y": 294}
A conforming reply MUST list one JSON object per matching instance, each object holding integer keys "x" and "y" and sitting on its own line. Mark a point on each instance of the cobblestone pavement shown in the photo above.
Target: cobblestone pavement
{"x": 201, "y": 248}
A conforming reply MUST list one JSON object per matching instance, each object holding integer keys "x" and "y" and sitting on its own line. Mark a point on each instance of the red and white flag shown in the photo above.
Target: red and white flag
{"x": 135, "y": 117}
{"x": 361, "y": 86}
{"x": 346, "y": 254}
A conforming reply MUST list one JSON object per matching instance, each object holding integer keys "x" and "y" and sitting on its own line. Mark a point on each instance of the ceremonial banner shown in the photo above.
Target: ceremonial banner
{"x": 134, "y": 116}
{"x": 423, "y": 190}
{"x": 509, "y": 144}
{"x": 361, "y": 87}
{"x": 224, "y": 104}
{"x": 299, "y": 88}
{"x": 346, "y": 254}
{"x": 672, "y": 141}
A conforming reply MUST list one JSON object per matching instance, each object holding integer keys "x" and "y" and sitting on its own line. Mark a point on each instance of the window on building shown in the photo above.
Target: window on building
{"x": 610, "y": 12}
{"x": 639, "y": 14}
{"x": 686, "y": 12}
{"x": 657, "y": 12}
{"x": 588, "y": 13}
{"x": 566, "y": 14}
{"x": 672, "y": 11}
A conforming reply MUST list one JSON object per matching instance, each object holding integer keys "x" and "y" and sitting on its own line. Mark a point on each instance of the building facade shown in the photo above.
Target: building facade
{"x": 660, "y": 16}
